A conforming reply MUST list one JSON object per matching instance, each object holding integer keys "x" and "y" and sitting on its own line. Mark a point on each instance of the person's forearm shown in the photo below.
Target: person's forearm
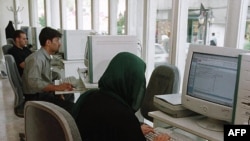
{"x": 51, "y": 88}
{"x": 61, "y": 87}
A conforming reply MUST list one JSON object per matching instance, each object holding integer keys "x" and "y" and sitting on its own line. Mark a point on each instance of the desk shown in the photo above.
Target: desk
{"x": 83, "y": 83}
{"x": 187, "y": 124}
{"x": 80, "y": 89}
{"x": 69, "y": 92}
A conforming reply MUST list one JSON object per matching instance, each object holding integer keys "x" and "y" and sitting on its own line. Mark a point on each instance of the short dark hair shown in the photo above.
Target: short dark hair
{"x": 17, "y": 34}
{"x": 48, "y": 33}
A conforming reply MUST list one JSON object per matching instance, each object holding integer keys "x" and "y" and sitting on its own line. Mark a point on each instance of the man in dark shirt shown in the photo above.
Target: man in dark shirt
{"x": 19, "y": 51}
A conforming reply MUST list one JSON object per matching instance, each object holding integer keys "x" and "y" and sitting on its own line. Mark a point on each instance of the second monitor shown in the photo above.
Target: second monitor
{"x": 102, "y": 48}
{"x": 209, "y": 84}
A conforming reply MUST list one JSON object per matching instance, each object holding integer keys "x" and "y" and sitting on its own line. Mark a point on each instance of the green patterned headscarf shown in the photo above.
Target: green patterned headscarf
{"x": 124, "y": 79}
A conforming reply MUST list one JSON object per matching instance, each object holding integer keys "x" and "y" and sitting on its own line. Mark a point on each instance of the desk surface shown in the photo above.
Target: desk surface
{"x": 69, "y": 92}
{"x": 85, "y": 83}
{"x": 75, "y": 61}
{"x": 188, "y": 124}
{"x": 80, "y": 89}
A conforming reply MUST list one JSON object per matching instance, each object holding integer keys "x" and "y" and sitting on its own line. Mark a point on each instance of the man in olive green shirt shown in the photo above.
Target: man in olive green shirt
{"x": 37, "y": 74}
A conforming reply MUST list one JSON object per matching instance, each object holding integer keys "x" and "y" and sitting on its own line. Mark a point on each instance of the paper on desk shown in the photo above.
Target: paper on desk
{"x": 174, "y": 99}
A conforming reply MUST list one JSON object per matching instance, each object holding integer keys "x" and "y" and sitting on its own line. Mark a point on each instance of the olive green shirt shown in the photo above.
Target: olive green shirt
{"x": 37, "y": 73}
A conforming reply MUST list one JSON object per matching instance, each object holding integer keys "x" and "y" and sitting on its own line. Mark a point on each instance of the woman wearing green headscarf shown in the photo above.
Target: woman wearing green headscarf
{"x": 108, "y": 113}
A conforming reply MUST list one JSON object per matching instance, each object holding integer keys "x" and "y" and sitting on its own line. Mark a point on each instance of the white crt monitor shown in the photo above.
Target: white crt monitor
{"x": 101, "y": 50}
{"x": 209, "y": 84}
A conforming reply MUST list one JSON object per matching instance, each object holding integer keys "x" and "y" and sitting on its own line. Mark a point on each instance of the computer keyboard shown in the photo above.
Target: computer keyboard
{"x": 175, "y": 136}
{"x": 72, "y": 80}
{"x": 150, "y": 136}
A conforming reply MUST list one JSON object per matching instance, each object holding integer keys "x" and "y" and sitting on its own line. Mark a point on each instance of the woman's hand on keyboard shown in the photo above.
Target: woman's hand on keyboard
{"x": 146, "y": 129}
{"x": 162, "y": 137}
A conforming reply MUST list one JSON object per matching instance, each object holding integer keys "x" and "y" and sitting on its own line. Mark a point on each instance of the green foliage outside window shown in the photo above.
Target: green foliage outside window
{"x": 121, "y": 24}
{"x": 42, "y": 21}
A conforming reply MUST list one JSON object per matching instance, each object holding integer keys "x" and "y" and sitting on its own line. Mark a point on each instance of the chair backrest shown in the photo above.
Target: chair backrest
{"x": 16, "y": 84}
{"x": 6, "y": 48}
{"x": 46, "y": 121}
{"x": 10, "y": 41}
{"x": 163, "y": 80}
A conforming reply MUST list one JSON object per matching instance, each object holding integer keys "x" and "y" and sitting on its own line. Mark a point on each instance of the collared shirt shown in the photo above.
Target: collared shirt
{"x": 37, "y": 72}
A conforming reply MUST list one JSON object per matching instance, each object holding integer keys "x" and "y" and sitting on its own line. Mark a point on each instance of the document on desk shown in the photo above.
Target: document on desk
{"x": 174, "y": 99}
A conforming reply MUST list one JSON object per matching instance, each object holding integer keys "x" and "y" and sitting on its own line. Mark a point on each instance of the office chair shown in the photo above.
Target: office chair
{"x": 16, "y": 84}
{"x": 46, "y": 121}
{"x": 6, "y": 48}
{"x": 10, "y": 41}
{"x": 163, "y": 80}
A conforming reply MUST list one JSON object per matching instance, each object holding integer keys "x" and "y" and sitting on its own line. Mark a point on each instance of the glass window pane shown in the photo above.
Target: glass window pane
{"x": 207, "y": 22}
{"x": 86, "y": 9}
{"x": 121, "y": 17}
{"x": 247, "y": 30}
{"x": 163, "y": 31}
{"x": 71, "y": 14}
{"x": 55, "y": 14}
{"x": 103, "y": 17}
{"x": 41, "y": 14}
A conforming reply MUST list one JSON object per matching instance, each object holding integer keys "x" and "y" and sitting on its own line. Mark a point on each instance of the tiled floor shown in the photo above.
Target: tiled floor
{"x": 10, "y": 125}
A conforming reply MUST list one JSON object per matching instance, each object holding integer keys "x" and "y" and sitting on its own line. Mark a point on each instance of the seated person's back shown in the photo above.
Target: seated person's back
{"x": 104, "y": 118}
{"x": 19, "y": 50}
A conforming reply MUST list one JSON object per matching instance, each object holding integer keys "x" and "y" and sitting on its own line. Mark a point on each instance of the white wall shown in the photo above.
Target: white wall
{"x": 5, "y": 16}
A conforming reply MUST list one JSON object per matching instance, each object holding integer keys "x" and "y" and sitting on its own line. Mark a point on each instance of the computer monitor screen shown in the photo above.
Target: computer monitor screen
{"x": 209, "y": 83}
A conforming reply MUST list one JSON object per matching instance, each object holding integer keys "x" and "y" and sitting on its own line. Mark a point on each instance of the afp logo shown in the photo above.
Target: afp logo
{"x": 241, "y": 132}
